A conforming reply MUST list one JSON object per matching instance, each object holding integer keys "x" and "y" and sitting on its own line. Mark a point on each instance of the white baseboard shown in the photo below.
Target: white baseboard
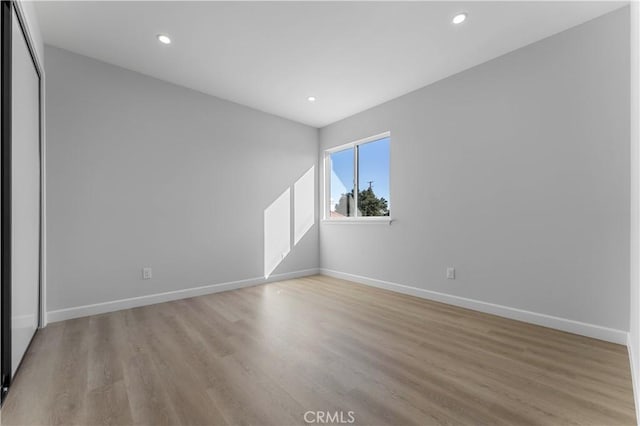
{"x": 635, "y": 380}
{"x": 151, "y": 299}
{"x": 571, "y": 326}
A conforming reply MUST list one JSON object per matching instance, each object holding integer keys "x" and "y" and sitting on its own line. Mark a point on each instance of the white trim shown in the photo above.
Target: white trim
{"x": 151, "y": 299}
{"x": 356, "y": 181}
{"x": 43, "y": 203}
{"x": 563, "y": 324}
{"x": 635, "y": 380}
{"x": 325, "y": 203}
{"x": 380, "y": 220}
{"x": 358, "y": 142}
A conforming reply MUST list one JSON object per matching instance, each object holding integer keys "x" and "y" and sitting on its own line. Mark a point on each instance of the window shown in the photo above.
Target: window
{"x": 360, "y": 167}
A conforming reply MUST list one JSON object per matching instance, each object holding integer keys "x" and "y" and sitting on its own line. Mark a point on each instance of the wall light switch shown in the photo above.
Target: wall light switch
{"x": 146, "y": 273}
{"x": 451, "y": 273}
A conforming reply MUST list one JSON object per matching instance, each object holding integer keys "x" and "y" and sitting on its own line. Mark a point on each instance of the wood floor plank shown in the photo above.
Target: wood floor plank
{"x": 35, "y": 381}
{"x": 68, "y": 404}
{"x": 269, "y": 354}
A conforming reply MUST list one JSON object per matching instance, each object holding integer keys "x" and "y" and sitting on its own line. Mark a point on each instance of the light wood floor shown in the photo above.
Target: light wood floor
{"x": 266, "y": 355}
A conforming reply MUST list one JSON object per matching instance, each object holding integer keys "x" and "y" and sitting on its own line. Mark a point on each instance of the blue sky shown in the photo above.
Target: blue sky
{"x": 374, "y": 166}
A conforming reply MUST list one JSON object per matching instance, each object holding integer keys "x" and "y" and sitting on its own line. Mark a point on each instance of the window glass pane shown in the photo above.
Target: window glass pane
{"x": 341, "y": 203}
{"x": 373, "y": 178}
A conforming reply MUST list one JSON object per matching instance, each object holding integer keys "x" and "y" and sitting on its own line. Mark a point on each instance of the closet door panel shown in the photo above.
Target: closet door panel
{"x": 25, "y": 185}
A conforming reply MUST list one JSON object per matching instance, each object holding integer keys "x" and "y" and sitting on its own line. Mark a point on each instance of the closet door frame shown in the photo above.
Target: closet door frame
{"x": 7, "y": 9}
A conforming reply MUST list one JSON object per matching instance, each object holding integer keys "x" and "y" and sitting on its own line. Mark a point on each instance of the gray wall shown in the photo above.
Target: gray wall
{"x": 145, "y": 173}
{"x": 516, "y": 172}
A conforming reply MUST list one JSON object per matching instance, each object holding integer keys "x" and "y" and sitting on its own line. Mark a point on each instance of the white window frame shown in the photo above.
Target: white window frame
{"x": 326, "y": 218}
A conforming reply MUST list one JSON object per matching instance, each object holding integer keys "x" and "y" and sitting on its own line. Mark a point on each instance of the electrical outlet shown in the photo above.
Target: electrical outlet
{"x": 146, "y": 273}
{"x": 451, "y": 273}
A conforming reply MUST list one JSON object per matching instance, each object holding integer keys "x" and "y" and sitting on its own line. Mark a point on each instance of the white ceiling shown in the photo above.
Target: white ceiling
{"x": 272, "y": 56}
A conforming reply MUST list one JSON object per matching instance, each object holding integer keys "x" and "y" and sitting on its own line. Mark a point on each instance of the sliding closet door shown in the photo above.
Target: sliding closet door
{"x": 25, "y": 204}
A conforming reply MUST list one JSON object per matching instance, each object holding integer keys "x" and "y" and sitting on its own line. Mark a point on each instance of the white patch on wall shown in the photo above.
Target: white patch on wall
{"x": 304, "y": 204}
{"x": 277, "y": 232}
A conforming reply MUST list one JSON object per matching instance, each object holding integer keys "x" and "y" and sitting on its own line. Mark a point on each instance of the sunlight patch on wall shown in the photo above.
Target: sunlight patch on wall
{"x": 278, "y": 227}
{"x": 277, "y": 232}
{"x": 304, "y": 204}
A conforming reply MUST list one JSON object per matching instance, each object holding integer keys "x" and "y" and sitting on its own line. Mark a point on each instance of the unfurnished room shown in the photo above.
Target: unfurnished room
{"x": 320, "y": 213}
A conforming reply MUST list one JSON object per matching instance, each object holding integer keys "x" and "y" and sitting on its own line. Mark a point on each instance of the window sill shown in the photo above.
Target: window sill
{"x": 360, "y": 221}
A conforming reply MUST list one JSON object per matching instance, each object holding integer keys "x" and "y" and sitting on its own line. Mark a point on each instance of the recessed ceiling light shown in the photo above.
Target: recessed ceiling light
{"x": 311, "y": 98}
{"x": 164, "y": 39}
{"x": 459, "y": 18}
